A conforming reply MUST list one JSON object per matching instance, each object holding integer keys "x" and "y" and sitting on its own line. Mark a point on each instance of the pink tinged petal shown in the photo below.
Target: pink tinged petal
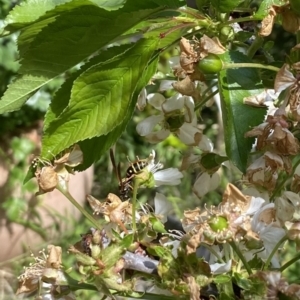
{"x": 206, "y": 183}
{"x": 174, "y": 103}
{"x": 170, "y": 176}
{"x": 162, "y": 206}
{"x": 166, "y": 85}
{"x": 146, "y": 126}
{"x": 156, "y": 100}
{"x": 158, "y": 136}
{"x": 189, "y": 134}
{"x": 206, "y": 144}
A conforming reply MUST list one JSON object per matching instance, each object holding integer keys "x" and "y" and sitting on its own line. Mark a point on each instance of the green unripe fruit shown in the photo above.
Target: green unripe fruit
{"x": 210, "y": 64}
{"x": 218, "y": 223}
{"x": 226, "y": 34}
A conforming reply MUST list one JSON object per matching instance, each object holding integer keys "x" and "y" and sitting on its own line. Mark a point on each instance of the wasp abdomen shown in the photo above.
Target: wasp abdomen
{"x": 136, "y": 167}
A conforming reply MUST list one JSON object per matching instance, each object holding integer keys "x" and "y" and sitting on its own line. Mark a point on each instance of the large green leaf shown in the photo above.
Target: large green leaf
{"x": 62, "y": 97}
{"x": 238, "y": 118}
{"x": 100, "y": 99}
{"x": 103, "y": 143}
{"x": 65, "y": 42}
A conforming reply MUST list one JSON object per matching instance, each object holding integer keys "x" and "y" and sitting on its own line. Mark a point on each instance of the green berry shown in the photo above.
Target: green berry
{"x": 210, "y": 64}
{"x": 218, "y": 223}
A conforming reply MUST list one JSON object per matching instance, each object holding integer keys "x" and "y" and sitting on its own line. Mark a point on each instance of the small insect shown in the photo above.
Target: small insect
{"x": 86, "y": 241}
{"x": 125, "y": 184}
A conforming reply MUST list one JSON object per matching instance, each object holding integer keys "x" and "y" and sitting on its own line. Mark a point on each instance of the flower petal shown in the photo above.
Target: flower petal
{"x": 158, "y": 136}
{"x": 156, "y": 100}
{"x": 166, "y": 85}
{"x": 174, "y": 103}
{"x": 146, "y": 126}
{"x": 189, "y": 134}
{"x": 162, "y": 206}
{"x": 206, "y": 183}
{"x": 206, "y": 144}
{"x": 169, "y": 176}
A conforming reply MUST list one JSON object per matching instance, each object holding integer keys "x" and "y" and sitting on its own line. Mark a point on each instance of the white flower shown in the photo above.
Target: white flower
{"x": 177, "y": 116}
{"x": 170, "y": 176}
{"x": 268, "y": 233}
{"x": 163, "y": 207}
{"x": 142, "y": 99}
{"x": 206, "y": 183}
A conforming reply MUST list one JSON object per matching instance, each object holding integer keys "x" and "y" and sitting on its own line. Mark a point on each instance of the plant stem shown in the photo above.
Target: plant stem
{"x": 256, "y": 44}
{"x": 212, "y": 251}
{"x": 273, "y": 252}
{"x": 78, "y": 206}
{"x": 200, "y": 104}
{"x": 133, "y": 202}
{"x": 279, "y": 188}
{"x": 249, "y": 65}
{"x": 286, "y": 265}
{"x": 241, "y": 256}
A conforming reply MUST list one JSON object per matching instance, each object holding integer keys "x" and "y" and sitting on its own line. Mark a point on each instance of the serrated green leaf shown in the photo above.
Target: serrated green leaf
{"x": 238, "y": 118}
{"x": 103, "y": 143}
{"x": 62, "y": 96}
{"x": 31, "y": 10}
{"x": 20, "y": 90}
{"x": 68, "y": 40}
{"x": 100, "y": 99}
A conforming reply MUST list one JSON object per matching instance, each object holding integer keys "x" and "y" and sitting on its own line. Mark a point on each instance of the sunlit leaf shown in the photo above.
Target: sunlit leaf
{"x": 238, "y": 118}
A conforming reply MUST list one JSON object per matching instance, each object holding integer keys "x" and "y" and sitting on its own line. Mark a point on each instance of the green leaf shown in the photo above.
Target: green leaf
{"x": 71, "y": 38}
{"x": 63, "y": 95}
{"x": 238, "y": 118}
{"x": 264, "y": 7}
{"x": 100, "y": 99}
{"x": 31, "y": 10}
{"x": 20, "y": 90}
{"x": 224, "y": 6}
{"x": 103, "y": 143}
{"x": 221, "y": 279}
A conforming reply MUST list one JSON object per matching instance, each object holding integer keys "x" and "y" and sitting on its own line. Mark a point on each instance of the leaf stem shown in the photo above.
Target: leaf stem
{"x": 286, "y": 265}
{"x": 238, "y": 20}
{"x": 241, "y": 256}
{"x": 273, "y": 252}
{"x": 78, "y": 206}
{"x": 249, "y": 65}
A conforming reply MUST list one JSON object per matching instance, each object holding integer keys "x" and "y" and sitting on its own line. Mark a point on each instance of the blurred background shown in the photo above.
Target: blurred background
{"x": 20, "y": 134}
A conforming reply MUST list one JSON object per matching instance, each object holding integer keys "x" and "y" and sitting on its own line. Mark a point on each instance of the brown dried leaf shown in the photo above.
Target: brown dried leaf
{"x": 47, "y": 179}
{"x": 267, "y": 23}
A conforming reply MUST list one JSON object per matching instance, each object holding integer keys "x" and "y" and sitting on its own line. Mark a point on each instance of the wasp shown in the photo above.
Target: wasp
{"x": 125, "y": 184}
